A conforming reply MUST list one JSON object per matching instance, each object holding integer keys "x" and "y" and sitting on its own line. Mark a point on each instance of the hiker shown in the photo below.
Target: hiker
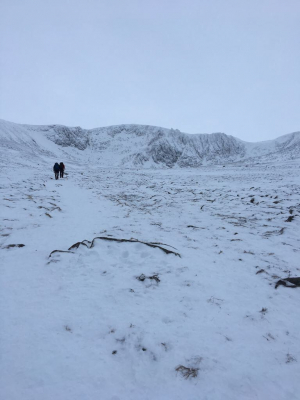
{"x": 61, "y": 169}
{"x": 56, "y": 170}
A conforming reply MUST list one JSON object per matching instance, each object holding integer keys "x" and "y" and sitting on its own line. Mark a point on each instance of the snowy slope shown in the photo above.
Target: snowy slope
{"x": 182, "y": 305}
{"x": 142, "y": 146}
{"x": 285, "y": 147}
{"x": 84, "y": 324}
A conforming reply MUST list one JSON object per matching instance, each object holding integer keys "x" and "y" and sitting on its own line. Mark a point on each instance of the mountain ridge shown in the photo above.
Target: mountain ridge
{"x": 145, "y": 146}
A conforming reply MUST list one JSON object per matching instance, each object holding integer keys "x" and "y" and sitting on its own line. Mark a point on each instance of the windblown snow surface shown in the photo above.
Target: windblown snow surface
{"x": 182, "y": 306}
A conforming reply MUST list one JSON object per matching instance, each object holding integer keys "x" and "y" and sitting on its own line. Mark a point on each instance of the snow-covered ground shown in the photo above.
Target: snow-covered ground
{"x": 125, "y": 320}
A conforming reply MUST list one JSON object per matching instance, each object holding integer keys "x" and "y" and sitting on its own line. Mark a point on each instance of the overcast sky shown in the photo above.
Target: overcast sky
{"x": 200, "y": 66}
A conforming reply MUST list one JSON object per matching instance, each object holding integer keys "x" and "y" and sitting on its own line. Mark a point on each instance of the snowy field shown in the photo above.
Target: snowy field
{"x": 193, "y": 315}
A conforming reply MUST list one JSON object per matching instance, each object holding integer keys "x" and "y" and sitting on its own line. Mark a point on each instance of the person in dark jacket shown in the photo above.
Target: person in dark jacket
{"x": 56, "y": 170}
{"x": 61, "y": 169}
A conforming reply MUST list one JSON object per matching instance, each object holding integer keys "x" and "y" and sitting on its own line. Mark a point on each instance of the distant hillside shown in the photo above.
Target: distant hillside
{"x": 141, "y": 146}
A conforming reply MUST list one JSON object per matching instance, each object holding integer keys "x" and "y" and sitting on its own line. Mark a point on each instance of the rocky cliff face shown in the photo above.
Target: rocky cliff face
{"x": 144, "y": 146}
{"x": 153, "y": 146}
{"x": 64, "y": 136}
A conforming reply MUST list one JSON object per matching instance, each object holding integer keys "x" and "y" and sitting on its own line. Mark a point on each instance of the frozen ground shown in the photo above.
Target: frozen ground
{"x": 210, "y": 324}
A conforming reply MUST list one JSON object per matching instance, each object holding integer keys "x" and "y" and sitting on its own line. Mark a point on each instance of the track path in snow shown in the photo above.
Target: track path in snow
{"x": 28, "y": 296}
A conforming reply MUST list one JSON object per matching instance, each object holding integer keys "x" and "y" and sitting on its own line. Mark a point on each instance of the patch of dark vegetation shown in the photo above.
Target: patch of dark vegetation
{"x": 154, "y": 277}
{"x": 187, "y": 372}
{"x": 288, "y": 282}
{"x": 56, "y": 208}
{"x": 248, "y": 252}
{"x": 274, "y": 276}
{"x": 90, "y": 244}
{"x": 215, "y": 300}
{"x": 14, "y": 245}
{"x": 76, "y": 245}
{"x": 164, "y": 244}
{"x": 142, "y": 277}
{"x": 60, "y": 251}
{"x": 269, "y": 337}
{"x": 68, "y": 329}
{"x": 290, "y": 218}
{"x": 260, "y": 271}
{"x": 271, "y": 233}
{"x": 165, "y": 346}
{"x": 290, "y": 358}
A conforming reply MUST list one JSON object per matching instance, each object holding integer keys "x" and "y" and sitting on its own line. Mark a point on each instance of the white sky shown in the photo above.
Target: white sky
{"x": 200, "y": 66}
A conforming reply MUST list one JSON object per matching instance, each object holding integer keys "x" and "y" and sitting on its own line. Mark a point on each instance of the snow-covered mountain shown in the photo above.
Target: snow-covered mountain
{"x": 143, "y": 145}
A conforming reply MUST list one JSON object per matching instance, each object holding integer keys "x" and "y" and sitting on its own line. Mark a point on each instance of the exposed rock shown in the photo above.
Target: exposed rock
{"x": 288, "y": 282}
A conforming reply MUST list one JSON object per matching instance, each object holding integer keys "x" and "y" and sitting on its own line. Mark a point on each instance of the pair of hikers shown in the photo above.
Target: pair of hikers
{"x": 59, "y": 169}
